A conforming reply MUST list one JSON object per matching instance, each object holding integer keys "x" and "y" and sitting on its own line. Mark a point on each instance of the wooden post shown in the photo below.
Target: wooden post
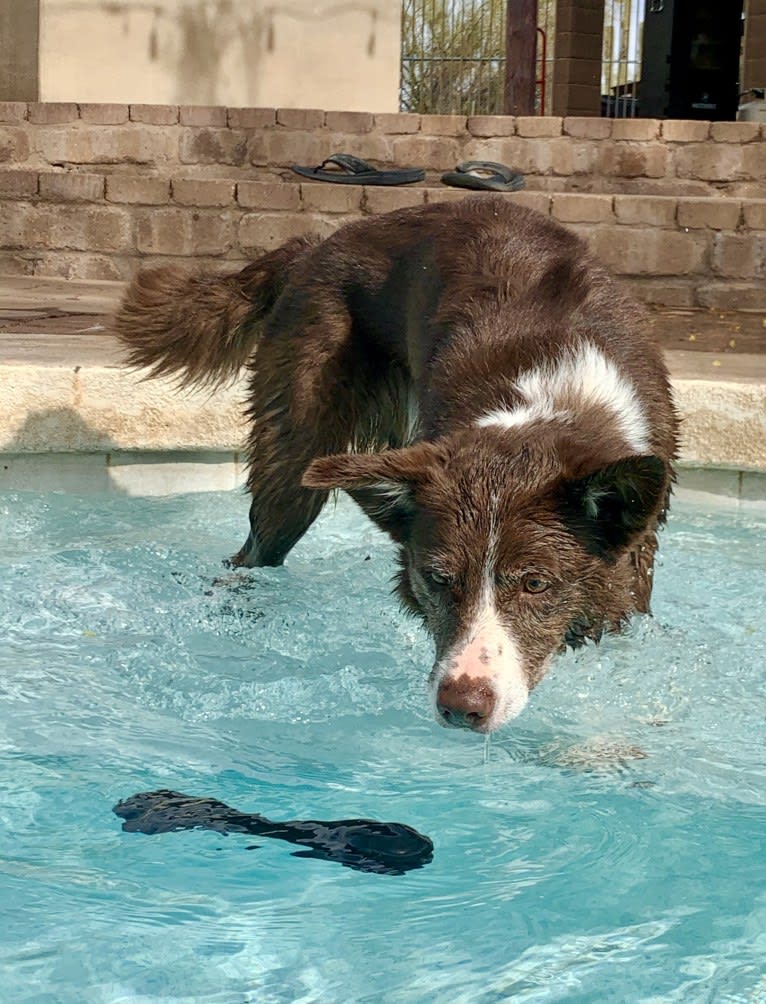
{"x": 520, "y": 57}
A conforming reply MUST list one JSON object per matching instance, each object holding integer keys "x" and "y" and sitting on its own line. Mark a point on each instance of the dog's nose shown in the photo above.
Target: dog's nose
{"x": 465, "y": 703}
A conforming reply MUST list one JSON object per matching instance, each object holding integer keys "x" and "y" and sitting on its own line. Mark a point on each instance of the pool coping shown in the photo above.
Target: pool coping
{"x": 70, "y": 395}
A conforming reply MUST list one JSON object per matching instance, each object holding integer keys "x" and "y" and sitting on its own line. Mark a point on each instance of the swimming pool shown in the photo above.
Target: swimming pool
{"x": 611, "y": 847}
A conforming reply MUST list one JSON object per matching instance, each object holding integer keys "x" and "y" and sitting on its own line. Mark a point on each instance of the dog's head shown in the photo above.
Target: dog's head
{"x": 506, "y": 551}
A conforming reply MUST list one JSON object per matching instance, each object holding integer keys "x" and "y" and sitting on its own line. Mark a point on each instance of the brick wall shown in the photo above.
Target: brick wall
{"x": 92, "y": 191}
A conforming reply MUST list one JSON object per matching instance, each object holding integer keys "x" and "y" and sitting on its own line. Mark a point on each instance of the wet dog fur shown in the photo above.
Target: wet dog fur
{"x": 481, "y": 387}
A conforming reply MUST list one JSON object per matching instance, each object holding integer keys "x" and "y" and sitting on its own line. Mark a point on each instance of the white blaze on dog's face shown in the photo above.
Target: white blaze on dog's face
{"x": 504, "y": 554}
{"x": 481, "y": 680}
{"x": 483, "y": 600}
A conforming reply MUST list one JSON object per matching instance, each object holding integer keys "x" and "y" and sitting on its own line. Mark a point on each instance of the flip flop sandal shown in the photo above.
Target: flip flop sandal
{"x": 484, "y": 174}
{"x": 348, "y": 170}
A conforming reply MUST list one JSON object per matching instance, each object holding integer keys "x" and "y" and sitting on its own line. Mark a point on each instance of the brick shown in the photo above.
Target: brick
{"x": 397, "y": 122}
{"x": 79, "y": 265}
{"x": 371, "y": 146}
{"x": 52, "y": 112}
{"x": 177, "y": 231}
{"x": 579, "y": 45}
{"x": 684, "y": 131}
{"x": 715, "y": 213}
{"x": 202, "y": 115}
{"x": 539, "y": 201}
{"x": 203, "y": 192}
{"x": 640, "y": 130}
{"x": 282, "y": 147}
{"x": 491, "y": 125}
{"x": 154, "y": 114}
{"x": 632, "y": 160}
{"x": 137, "y": 191}
{"x": 733, "y": 296}
{"x": 266, "y": 231}
{"x": 212, "y": 146}
{"x": 251, "y": 118}
{"x": 651, "y": 210}
{"x": 539, "y": 125}
{"x": 664, "y": 292}
{"x": 18, "y": 184}
{"x": 739, "y": 256}
{"x": 432, "y": 153}
{"x": 734, "y": 132}
{"x": 385, "y": 200}
{"x": 447, "y": 194}
{"x": 328, "y": 198}
{"x": 754, "y": 212}
{"x": 104, "y": 114}
{"x": 14, "y": 145}
{"x": 649, "y": 251}
{"x": 580, "y": 18}
{"x": 587, "y": 127}
{"x": 443, "y": 125}
{"x": 300, "y": 118}
{"x": 72, "y": 187}
{"x": 579, "y": 69}
{"x": 573, "y": 208}
{"x": 754, "y": 160}
{"x": 13, "y": 111}
{"x": 269, "y": 195}
{"x": 528, "y": 156}
{"x": 50, "y": 225}
{"x": 90, "y": 144}
{"x": 578, "y": 99}
{"x": 352, "y": 122}
{"x": 17, "y": 263}
{"x": 709, "y": 161}
{"x": 569, "y": 156}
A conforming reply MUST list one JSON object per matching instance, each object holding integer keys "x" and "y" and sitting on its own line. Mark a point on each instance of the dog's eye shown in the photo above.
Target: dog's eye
{"x": 437, "y": 576}
{"x": 535, "y": 584}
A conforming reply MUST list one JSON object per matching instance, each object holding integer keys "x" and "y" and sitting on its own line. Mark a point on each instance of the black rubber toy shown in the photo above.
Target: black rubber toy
{"x": 363, "y": 844}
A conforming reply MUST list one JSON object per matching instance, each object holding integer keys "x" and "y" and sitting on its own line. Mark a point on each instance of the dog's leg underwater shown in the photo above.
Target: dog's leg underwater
{"x": 301, "y": 406}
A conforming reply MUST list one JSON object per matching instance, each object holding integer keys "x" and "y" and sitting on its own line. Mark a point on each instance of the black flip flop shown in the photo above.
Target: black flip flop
{"x": 351, "y": 170}
{"x": 486, "y": 175}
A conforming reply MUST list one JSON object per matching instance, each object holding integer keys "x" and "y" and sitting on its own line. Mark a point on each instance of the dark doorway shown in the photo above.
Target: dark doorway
{"x": 690, "y": 63}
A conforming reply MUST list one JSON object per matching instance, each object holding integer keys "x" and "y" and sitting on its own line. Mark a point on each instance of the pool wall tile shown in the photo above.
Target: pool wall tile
{"x": 753, "y": 489}
{"x": 74, "y": 473}
{"x": 708, "y": 485}
{"x": 165, "y": 474}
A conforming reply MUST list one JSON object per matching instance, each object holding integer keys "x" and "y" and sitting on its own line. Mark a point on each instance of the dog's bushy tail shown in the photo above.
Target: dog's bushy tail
{"x": 202, "y": 328}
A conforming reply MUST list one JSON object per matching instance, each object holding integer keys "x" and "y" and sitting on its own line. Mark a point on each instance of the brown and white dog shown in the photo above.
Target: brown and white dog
{"x": 489, "y": 396}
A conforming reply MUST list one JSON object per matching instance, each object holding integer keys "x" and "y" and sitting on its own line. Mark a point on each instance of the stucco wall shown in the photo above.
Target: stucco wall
{"x": 225, "y": 52}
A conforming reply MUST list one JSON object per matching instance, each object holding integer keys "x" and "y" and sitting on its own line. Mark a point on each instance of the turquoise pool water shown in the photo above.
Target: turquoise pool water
{"x": 611, "y": 848}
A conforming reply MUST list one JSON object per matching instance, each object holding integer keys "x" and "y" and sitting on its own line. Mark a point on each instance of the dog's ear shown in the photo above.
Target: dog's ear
{"x": 608, "y": 508}
{"x": 384, "y": 484}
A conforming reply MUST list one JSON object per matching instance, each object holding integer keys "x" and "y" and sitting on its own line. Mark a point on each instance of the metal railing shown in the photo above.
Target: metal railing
{"x": 453, "y": 56}
{"x": 621, "y": 59}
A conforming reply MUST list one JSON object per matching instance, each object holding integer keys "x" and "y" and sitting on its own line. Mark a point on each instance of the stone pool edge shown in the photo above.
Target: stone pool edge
{"x": 92, "y": 426}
